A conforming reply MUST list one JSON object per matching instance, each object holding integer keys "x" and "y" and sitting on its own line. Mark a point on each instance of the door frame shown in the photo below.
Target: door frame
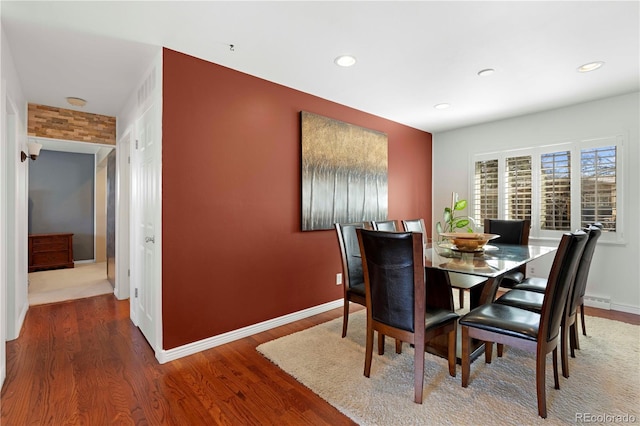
{"x": 15, "y": 299}
{"x": 123, "y": 199}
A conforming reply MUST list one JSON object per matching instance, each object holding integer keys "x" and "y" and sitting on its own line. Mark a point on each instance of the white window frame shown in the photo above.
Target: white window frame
{"x": 574, "y": 147}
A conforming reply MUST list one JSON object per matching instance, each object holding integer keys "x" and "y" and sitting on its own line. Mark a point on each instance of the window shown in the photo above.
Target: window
{"x": 518, "y": 187}
{"x": 555, "y": 191}
{"x": 598, "y": 182}
{"x": 486, "y": 190}
{"x": 558, "y": 187}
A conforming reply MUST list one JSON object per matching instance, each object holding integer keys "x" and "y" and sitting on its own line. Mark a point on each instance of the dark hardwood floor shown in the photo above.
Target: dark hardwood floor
{"x": 84, "y": 363}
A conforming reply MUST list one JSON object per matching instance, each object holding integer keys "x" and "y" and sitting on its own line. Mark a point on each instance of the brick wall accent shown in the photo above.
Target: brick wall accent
{"x": 59, "y": 123}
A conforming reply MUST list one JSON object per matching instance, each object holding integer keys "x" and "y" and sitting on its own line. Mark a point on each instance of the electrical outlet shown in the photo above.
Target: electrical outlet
{"x": 338, "y": 278}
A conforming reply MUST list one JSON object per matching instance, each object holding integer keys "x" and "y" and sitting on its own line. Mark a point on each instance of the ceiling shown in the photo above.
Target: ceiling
{"x": 410, "y": 55}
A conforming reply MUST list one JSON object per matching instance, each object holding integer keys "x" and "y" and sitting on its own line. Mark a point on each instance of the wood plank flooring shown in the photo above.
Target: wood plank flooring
{"x": 83, "y": 362}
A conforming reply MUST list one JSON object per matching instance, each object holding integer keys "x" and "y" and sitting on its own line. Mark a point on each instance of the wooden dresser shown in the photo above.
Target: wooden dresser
{"x": 50, "y": 251}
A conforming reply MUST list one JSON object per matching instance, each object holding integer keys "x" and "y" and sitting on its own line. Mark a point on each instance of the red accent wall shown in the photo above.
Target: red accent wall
{"x": 233, "y": 252}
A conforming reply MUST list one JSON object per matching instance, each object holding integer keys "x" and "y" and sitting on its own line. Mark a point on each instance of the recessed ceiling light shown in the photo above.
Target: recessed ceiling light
{"x": 486, "y": 72}
{"x": 591, "y": 66}
{"x": 442, "y": 106}
{"x": 345, "y": 60}
{"x": 78, "y": 102}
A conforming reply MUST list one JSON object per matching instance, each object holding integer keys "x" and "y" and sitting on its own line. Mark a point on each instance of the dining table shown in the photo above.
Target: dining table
{"x": 479, "y": 271}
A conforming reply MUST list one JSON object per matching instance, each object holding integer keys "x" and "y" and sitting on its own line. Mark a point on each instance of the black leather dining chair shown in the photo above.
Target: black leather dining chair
{"x": 530, "y": 331}
{"x": 400, "y": 304}
{"x": 530, "y": 295}
{"x": 385, "y": 225}
{"x": 582, "y": 291}
{"x": 415, "y": 225}
{"x": 352, "y": 277}
{"x": 511, "y": 231}
{"x": 539, "y": 284}
{"x": 458, "y": 281}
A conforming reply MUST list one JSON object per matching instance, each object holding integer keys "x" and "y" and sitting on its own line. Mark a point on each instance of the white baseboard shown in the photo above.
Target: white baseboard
{"x": 211, "y": 342}
{"x": 625, "y": 308}
{"x": 15, "y": 333}
{"x": 191, "y": 348}
{"x": 604, "y": 302}
{"x": 597, "y": 302}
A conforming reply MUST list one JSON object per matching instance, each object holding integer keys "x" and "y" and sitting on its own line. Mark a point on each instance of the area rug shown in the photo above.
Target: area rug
{"x": 603, "y": 387}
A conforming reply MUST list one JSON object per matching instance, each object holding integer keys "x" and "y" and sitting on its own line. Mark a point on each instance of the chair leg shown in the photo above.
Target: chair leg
{"x": 398, "y": 346}
{"x": 573, "y": 339}
{"x": 540, "y": 385}
{"x": 500, "y": 349}
{"x": 452, "y": 352}
{"x": 368, "y": 351}
{"x": 563, "y": 349}
{"x": 418, "y": 371}
{"x": 345, "y": 317}
{"x": 488, "y": 352}
{"x": 584, "y": 327}
{"x": 556, "y": 381}
{"x": 380, "y": 343}
{"x": 461, "y": 297}
{"x": 466, "y": 364}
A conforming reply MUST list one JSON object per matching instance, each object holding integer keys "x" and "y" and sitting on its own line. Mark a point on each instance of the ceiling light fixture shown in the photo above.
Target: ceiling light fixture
{"x": 591, "y": 66}
{"x": 442, "y": 106}
{"x": 345, "y": 61}
{"x": 78, "y": 102}
{"x": 486, "y": 72}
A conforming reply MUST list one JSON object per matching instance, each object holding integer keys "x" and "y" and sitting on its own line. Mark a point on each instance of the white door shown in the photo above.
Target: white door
{"x": 146, "y": 199}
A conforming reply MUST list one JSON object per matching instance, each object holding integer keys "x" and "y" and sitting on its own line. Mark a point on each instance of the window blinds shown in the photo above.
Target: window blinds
{"x": 518, "y": 188}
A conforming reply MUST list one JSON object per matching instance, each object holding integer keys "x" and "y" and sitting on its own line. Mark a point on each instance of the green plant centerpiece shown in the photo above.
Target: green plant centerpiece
{"x": 452, "y": 223}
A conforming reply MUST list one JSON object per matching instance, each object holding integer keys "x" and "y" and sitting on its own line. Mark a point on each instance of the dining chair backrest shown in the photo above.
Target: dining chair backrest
{"x": 394, "y": 273}
{"x": 415, "y": 225}
{"x": 559, "y": 283}
{"x": 582, "y": 273}
{"x": 385, "y": 225}
{"x": 511, "y": 231}
{"x": 396, "y": 300}
{"x": 350, "y": 252}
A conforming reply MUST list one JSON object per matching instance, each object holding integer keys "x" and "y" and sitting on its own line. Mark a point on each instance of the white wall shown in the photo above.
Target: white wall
{"x": 615, "y": 269}
{"x": 3, "y": 225}
{"x": 14, "y": 114}
{"x": 13, "y": 219}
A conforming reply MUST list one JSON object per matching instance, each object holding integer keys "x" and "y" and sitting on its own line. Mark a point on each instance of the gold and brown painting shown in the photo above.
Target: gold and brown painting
{"x": 344, "y": 173}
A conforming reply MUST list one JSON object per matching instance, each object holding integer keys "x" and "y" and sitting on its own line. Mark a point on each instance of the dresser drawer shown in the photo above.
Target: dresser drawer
{"x": 55, "y": 244}
{"x": 50, "y": 251}
{"x": 50, "y": 258}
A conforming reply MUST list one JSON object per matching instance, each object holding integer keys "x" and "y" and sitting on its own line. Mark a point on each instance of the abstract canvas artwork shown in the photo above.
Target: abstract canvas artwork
{"x": 344, "y": 173}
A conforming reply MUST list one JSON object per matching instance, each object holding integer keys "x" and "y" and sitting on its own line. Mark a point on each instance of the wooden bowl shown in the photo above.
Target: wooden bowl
{"x": 470, "y": 241}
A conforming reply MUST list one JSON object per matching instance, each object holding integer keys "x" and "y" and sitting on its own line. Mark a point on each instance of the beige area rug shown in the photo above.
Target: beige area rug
{"x": 85, "y": 280}
{"x": 604, "y": 379}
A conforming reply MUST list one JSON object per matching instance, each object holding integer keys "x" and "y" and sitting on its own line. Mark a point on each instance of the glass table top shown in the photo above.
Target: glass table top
{"x": 493, "y": 261}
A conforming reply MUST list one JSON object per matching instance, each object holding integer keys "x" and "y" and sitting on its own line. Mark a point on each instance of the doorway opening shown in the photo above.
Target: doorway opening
{"x": 71, "y": 189}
